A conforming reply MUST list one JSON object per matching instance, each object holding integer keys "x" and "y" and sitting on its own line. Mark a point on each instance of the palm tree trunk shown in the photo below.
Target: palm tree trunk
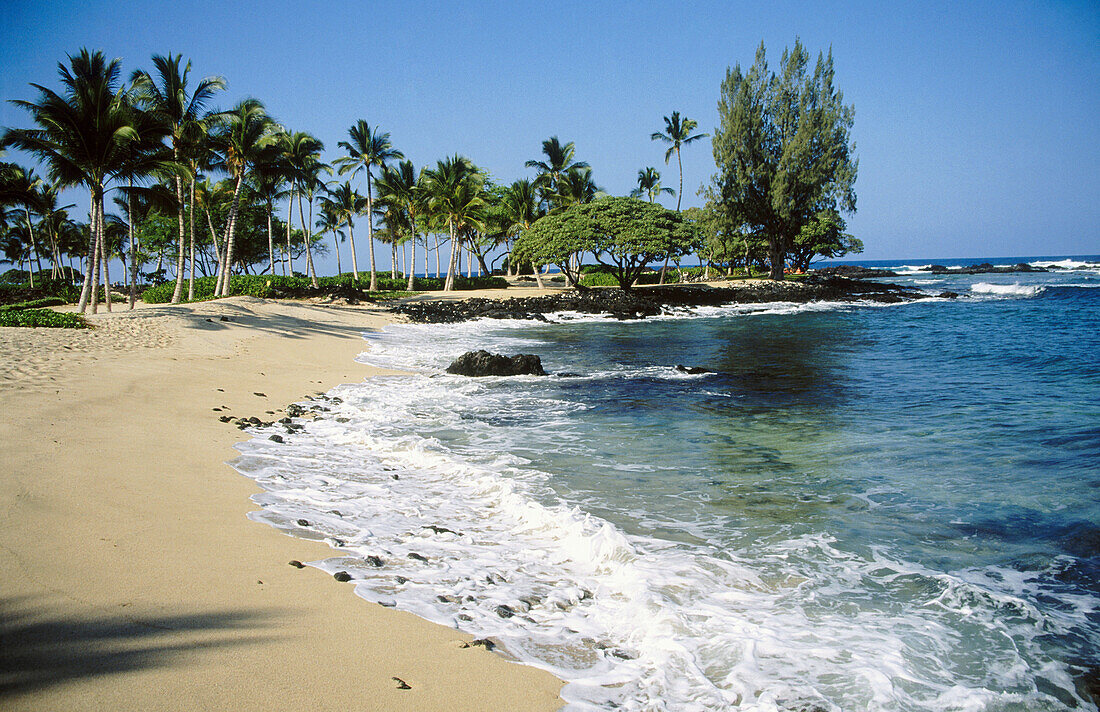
{"x": 133, "y": 249}
{"x": 85, "y": 291}
{"x": 230, "y": 227}
{"x": 370, "y": 236}
{"x": 680, "y": 194}
{"x": 305, "y": 235}
{"x": 336, "y": 241}
{"x": 449, "y": 285}
{"x": 178, "y": 291}
{"x": 106, "y": 257}
{"x": 270, "y": 237}
{"x": 191, "y": 219}
{"x": 412, "y": 255}
{"x": 393, "y": 258}
{"x": 351, "y": 238}
{"x": 289, "y": 219}
{"x": 436, "y": 256}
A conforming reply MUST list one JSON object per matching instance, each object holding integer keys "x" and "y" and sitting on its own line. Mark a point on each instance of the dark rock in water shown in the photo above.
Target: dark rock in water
{"x": 948, "y": 295}
{"x": 934, "y": 269}
{"x": 480, "y": 642}
{"x": 400, "y": 579}
{"x": 505, "y": 611}
{"x": 276, "y": 438}
{"x": 296, "y": 564}
{"x": 294, "y": 410}
{"x": 440, "y": 530}
{"x": 303, "y": 522}
{"x": 983, "y": 268}
{"x": 567, "y": 374}
{"x": 418, "y": 557}
{"x": 693, "y": 370}
{"x": 483, "y": 363}
{"x": 375, "y": 561}
{"x": 854, "y": 272}
{"x": 342, "y": 576}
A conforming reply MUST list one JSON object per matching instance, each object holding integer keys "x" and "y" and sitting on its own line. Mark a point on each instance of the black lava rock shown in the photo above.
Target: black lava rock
{"x": 342, "y": 576}
{"x": 483, "y": 363}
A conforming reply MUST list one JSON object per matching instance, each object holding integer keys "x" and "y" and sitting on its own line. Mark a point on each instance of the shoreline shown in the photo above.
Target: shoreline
{"x": 135, "y": 578}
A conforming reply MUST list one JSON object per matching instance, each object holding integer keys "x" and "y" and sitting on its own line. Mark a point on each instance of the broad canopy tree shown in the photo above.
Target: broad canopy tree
{"x": 783, "y": 149}
{"x": 623, "y": 234}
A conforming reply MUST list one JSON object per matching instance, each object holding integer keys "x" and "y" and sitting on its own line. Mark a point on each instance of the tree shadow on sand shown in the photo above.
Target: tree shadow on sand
{"x": 41, "y": 646}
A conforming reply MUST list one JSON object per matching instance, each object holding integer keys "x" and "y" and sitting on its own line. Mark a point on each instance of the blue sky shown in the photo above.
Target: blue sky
{"x": 977, "y": 124}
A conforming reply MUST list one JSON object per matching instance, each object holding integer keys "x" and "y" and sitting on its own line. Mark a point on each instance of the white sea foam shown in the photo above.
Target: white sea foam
{"x": 1007, "y": 290}
{"x": 417, "y": 471}
{"x": 1066, "y": 264}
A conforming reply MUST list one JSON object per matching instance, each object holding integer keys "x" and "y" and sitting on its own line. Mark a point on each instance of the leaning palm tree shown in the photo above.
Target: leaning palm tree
{"x": 367, "y": 148}
{"x": 457, "y": 198}
{"x": 677, "y": 133}
{"x": 84, "y": 135}
{"x": 238, "y": 144}
{"x": 649, "y": 185}
{"x": 182, "y": 115}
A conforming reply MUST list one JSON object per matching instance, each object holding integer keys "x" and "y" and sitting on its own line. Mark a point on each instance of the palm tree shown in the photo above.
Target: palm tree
{"x": 345, "y": 204}
{"x": 677, "y": 133}
{"x": 649, "y": 185}
{"x": 456, "y": 197}
{"x": 521, "y": 210}
{"x": 268, "y": 180}
{"x": 302, "y": 153}
{"x": 182, "y": 116}
{"x": 330, "y": 220}
{"x": 367, "y": 149}
{"x": 238, "y": 143}
{"x": 85, "y": 136}
{"x": 25, "y": 184}
{"x": 575, "y": 186}
{"x": 404, "y": 186}
{"x": 559, "y": 159}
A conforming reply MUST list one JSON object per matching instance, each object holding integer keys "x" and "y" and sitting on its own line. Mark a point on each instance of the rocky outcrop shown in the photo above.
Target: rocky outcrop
{"x": 983, "y": 268}
{"x": 642, "y": 302}
{"x": 854, "y": 272}
{"x": 483, "y": 363}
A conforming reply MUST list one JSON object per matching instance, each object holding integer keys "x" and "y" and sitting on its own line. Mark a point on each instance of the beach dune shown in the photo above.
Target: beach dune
{"x": 132, "y": 577}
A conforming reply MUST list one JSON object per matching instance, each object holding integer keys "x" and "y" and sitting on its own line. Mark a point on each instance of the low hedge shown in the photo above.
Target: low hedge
{"x": 266, "y": 287}
{"x": 43, "y": 318}
{"x": 34, "y": 304}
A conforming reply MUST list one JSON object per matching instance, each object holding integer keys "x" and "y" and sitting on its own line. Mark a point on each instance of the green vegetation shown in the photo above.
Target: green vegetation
{"x": 41, "y": 317}
{"x": 785, "y": 159}
{"x": 266, "y": 287}
{"x": 34, "y": 304}
{"x": 196, "y": 192}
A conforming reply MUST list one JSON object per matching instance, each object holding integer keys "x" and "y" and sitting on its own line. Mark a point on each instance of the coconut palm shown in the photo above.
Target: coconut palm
{"x": 520, "y": 206}
{"x": 302, "y": 153}
{"x": 329, "y": 220}
{"x": 85, "y": 136}
{"x": 238, "y": 143}
{"x": 182, "y": 115}
{"x": 24, "y": 185}
{"x": 269, "y": 179}
{"x": 677, "y": 133}
{"x": 559, "y": 160}
{"x": 403, "y": 186}
{"x": 456, "y": 197}
{"x": 345, "y": 204}
{"x": 367, "y": 148}
{"x": 575, "y": 186}
{"x": 649, "y": 185}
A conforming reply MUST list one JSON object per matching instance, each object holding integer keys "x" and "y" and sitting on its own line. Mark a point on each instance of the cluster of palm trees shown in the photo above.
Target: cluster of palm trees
{"x": 155, "y": 141}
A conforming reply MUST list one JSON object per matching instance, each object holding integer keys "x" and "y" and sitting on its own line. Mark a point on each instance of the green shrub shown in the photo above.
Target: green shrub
{"x": 42, "y": 317}
{"x": 266, "y": 286}
{"x": 34, "y": 304}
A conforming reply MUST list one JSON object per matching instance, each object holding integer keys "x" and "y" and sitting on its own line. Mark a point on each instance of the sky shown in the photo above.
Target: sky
{"x": 977, "y": 124}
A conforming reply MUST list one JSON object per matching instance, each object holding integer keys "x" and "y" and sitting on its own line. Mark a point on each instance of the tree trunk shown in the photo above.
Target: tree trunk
{"x": 106, "y": 257}
{"x": 270, "y": 237}
{"x": 393, "y": 258}
{"x": 370, "y": 235}
{"x": 133, "y": 249}
{"x": 538, "y": 275}
{"x": 450, "y": 283}
{"x": 34, "y": 246}
{"x": 289, "y": 219}
{"x": 351, "y": 238}
{"x": 231, "y": 225}
{"x": 412, "y": 255}
{"x": 191, "y": 219}
{"x": 681, "y": 193}
{"x": 776, "y": 258}
{"x": 306, "y": 236}
{"x": 178, "y": 291}
{"x": 85, "y": 291}
{"x": 336, "y": 241}
{"x": 437, "y": 273}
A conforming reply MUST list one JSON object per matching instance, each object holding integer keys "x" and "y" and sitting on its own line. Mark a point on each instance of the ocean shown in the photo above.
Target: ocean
{"x": 860, "y": 507}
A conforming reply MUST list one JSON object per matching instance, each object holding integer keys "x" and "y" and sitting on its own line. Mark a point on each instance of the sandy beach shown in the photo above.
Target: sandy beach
{"x": 132, "y": 577}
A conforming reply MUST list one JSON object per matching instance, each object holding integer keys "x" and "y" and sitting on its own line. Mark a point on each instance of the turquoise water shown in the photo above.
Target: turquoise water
{"x": 862, "y": 507}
